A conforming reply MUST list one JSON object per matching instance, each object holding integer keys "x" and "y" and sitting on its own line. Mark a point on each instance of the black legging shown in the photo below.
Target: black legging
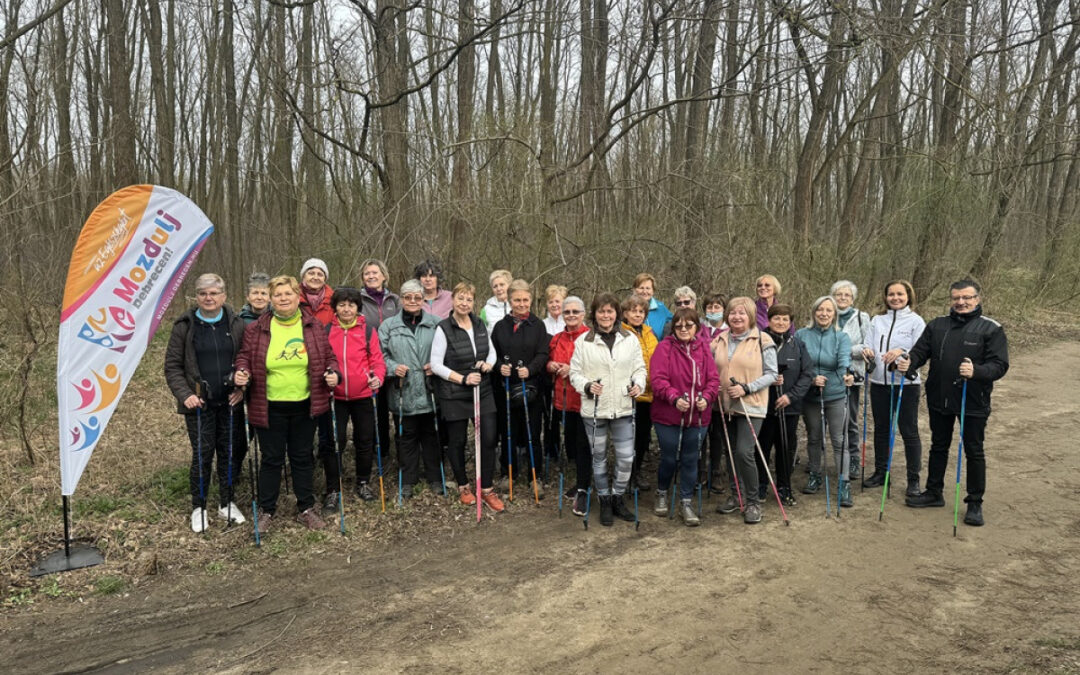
{"x": 907, "y": 423}
{"x": 578, "y": 449}
{"x": 642, "y": 433}
{"x": 457, "y": 432}
{"x": 770, "y": 436}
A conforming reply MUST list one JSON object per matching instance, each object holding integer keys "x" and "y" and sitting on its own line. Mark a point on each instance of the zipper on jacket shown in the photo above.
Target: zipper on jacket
{"x": 345, "y": 359}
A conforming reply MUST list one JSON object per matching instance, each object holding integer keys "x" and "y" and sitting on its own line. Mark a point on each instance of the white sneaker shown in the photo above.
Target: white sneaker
{"x": 200, "y": 519}
{"x": 232, "y": 513}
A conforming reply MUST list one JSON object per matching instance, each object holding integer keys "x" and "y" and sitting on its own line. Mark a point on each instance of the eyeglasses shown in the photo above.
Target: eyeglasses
{"x": 683, "y": 326}
{"x": 684, "y": 303}
{"x": 573, "y": 312}
{"x": 208, "y": 294}
{"x": 963, "y": 298}
{"x": 412, "y": 297}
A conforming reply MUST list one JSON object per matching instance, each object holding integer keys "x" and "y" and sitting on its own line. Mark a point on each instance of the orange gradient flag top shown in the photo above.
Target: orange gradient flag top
{"x": 129, "y": 261}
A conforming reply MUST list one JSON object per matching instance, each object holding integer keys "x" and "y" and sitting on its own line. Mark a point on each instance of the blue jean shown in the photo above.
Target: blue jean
{"x": 668, "y": 436}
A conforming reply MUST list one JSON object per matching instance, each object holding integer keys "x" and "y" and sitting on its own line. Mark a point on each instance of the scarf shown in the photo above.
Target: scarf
{"x": 210, "y": 319}
{"x": 313, "y": 298}
{"x": 843, "y": 315}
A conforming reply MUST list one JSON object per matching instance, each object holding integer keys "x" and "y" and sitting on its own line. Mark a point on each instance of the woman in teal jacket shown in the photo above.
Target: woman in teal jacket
{"x": 830, "y": 356}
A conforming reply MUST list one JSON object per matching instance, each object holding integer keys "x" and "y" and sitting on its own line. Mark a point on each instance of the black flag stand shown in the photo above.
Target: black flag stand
{"x": 73, "y": 557}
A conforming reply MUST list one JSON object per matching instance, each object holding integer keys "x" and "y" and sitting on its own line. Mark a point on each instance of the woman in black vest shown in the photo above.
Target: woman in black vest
{"x": 460, "y": 355}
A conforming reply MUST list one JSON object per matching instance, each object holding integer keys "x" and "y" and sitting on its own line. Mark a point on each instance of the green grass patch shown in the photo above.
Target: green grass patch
{"x": 215, "y": 567}
{"x": 101, "y": 504}
{"x": 109, "y": 585}
{"x": 169, "y": 487}
{"x": 1065, "y": 643}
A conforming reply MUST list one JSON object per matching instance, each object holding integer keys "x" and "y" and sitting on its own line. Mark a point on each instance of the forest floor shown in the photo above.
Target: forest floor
{"x": 527, "y": 591}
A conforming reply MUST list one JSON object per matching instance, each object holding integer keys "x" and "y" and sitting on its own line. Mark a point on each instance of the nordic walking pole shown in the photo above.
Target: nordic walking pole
{"x": 761, "y": 454}
{"x": 824, "y": 464}
{"x": 561, "y": 446}
{"x": 397, "y": 443}
{"x": 378, "y": 442}
{"x": 198, "y": 452}
{"x": 731, "y": 461}
{"x": 959, "y": 456}
{"x": 592, "y": 446}
{"x": 841, "y": 471}
{"x": 528, "y": 436}
{"x": 633, "y": 439}
{"x": 476, "y": 436}
{"x": 228, "y": 509}
{"x": 509, "y": 435}
{"x": 253, "y": 469}
{"x": 435, "y": 413}
{"x": 678, "y": 461}
{"x": 701, "y": 444}
{"x": 337, "y": 453}
{"x": 892, "y": 440}
{"x": 865, "y": 405}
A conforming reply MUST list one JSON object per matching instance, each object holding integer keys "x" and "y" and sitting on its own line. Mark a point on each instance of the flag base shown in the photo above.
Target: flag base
{"x": 74, "y": 557}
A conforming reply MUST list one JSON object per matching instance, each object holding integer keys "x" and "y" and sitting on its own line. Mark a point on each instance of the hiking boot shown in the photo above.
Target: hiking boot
{"x": 762, "y": 491}
{"x": 264, "y": 522}
{"x": 310, "y": 519}
{"x": 912, "y": 488}
{"x": 200, "y": 519}
{"x": 231, "y": 513}
{"x": 928, "y": 498}
{"x": 363, "y": 491}
{"x": 620, "y": 509}
{"x": 853, "y": 469}
{"x": 466, "y": 496}
{"x": 845, "y": 494}
{"x": 813, "y": 484}
{"x": 330, "y": 503}
{"x": 607, "y": 514}
{"x": 786, "y": 497}
{"x": 492, "y": 501}
{"x": 717, "y": 486}
{"x": 661, "y": 506}
{"x": 581, "y": 503}
{"x": 752, "y": 514}
{"x": 730, "y": 506}
{"x": 974, "y": 514}
{"x": 640, "y": 483}
{"x": 688, "y": 514}
{"x": 875, "y": 480}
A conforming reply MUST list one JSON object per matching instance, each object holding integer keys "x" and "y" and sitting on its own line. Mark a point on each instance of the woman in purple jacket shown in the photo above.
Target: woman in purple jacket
{"x": 685, "y": 384}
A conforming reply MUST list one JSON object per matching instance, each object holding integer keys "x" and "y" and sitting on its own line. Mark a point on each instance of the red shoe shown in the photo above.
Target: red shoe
{"x": 466, "y": 496}
{"x": 492, "y": 500}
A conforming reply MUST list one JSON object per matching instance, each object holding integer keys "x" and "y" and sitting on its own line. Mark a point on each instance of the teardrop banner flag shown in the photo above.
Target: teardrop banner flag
{"x": 128, "y": 263}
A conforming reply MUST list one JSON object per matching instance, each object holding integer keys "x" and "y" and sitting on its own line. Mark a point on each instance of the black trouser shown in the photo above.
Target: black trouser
{"x": 578, "y": 448}
{"x": 551, "y": 430}
{"x": 325, "y": 425}
{"x": 418, "y": 436}
{"x": 291, "y": 434}
{"x": 498, "y": 389}
{"x": 359, "y": 412}
{"x": 215, "y": 441}
{"x": 520, "y": 440}
{"x": 771, "y": 436}
{"x": 941, "y": 436}
{"x": 457, "y": 430}
{"x": 642, "y": 434}
{"x": 383, "y": 424}
{"x": 718, "y": 456}
{"x": 907, "y": 423}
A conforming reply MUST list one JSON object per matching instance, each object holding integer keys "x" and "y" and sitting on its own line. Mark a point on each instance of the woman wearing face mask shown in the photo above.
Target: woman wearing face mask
{"x": 379, "y": 303}
{"x": 521, "y": 349}
{"x": 608, "y": 371}
{"x": 658, "y": 314}
{"x": 713, "y": 322}
{"x": 892, "y": 334}
{"x": 856, "y": 324}
{"x": 568, "y": 401}
{"x": 634, "y": 310}
{"x": 749, "y": 356}
{"x": 714, "y": 452}
{"x": 830, "y": 355}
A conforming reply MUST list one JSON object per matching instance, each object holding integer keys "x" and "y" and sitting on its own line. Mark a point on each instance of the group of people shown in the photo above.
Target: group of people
{"x": 721, "y": 382}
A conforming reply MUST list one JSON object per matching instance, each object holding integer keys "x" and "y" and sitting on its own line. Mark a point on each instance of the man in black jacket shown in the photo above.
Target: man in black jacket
{"x": 963, "y": 346}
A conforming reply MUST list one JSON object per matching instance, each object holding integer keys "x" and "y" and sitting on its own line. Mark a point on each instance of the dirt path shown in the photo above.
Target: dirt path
{"x": 822, "y": 595}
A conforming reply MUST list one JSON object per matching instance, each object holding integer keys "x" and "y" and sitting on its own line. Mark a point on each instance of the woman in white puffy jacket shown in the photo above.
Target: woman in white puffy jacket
{"x": 892, "y": 334}
{"x": 607, "y": 369}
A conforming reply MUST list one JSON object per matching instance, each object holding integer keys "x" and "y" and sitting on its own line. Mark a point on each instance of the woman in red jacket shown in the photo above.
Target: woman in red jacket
{"x": 568, "y": 400}
{"x": 288, "y": 365}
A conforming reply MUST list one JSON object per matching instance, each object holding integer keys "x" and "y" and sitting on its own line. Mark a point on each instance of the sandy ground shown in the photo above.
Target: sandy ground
{"x": 535, "y": 593}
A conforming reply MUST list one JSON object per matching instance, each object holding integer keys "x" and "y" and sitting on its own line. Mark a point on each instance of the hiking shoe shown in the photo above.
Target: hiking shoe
{"x": 845, "y": 494}
{"x": 786, "y": 497}
{"x": 912, "y": 488}
{"x": 466, "y": 496}
{"x": 717, "y": 487}
{"x": 813, "y": 484}
{"x": 607, "y": 513}
{"x": 492, "y": 501}
{"x": 661, "y": 506}
{"x": 974, "y": 514}
{"x": 752, "y": 514}
{"x": 330, "y": 502}
{"x": 730, "y": 506}
{"x": 363, "y": 491}
{"x": 581, "y": 503}
{"x": 853, "y": 470}
{"x": 406, "y": 492}
{"x": 876, "y": 480}
{"x": 310, "y": 519}
{"x": 265, "y": 519}
{"x": 688, "y": 514}
{"x": 231, "y": 513}
{"x": 640, "y": 483}
{"x": 925, "y": 499}
{"x": 620, "y": 509}
{"x": 200, "y": 519}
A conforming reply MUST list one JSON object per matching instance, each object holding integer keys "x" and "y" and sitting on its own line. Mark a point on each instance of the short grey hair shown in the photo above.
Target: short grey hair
{"x": 258, "y": 280}
{"x": 573, "y": 300}
{"x": 210, "y": 280}
{"x": 412, "y": 286}
{"x": 844, "y": 282}
{"x": 685, "y": 292}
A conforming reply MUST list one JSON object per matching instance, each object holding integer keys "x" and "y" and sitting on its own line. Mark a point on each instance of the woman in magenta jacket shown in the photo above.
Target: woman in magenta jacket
{"x": 685, "y": 384}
